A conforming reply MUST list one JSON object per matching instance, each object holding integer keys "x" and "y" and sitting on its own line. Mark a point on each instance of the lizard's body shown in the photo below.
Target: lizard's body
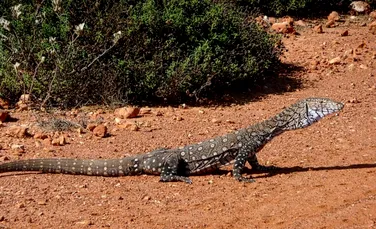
{"x": 177, "y": 164}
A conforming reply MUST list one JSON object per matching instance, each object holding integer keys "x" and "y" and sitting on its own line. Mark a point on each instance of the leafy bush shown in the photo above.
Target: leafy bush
{"x": 75, "y": 52}
{"x": 303, "y": 8}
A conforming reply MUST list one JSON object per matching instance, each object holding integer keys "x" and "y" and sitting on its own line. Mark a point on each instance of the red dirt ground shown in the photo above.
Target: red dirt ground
{"x": 328, "y": 178}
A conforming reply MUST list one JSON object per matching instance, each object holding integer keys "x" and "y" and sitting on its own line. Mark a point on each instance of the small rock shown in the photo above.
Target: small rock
{"x": 19, "y": 149}
{"x": 282, "y": 27}
{"x": 184, "y": 106}
{"x": 360, "y": 7}
{"x": 372, "y": 15}
{"x": 362, "y": 66}
{"x": 118, "y": 120}
{"x": 80, "y": 130}
{"x": 25, "y": 98}
{"x": 132, "y": 112}
{"x": 336, "y": 60}
{"x": 145, "y": 111}
{"x": 100, "y": 131}
{"x": 372, "y": 27}
{"x": 330, "y": 24}
{"x": 146, "y": 198}
{"x": 17, "y": 131}
{"x": 345, "y": 33}
{"x": 348, "y": 53}
{"x": 42, "y": 202}
{"x": 40, "y": 135}
{"x": 318, "y": 29}
{"x": 3, "y": 115}
{"x": 215, "y": 120}
{"x": 178, "y": 118}
{"x": 62, "y": 140}
{"x": 55, "y": 142}
{"x": 38, "y": 144}
{"x": 288, "y": 20}
{"x": 333, "y": 16}
{"x": 201, "y": 112}
{"x": 24, "y": 102}
{"x": 129, "y": 126}
{"x": 127, "y": 112}
{"x": 84, "y": 223}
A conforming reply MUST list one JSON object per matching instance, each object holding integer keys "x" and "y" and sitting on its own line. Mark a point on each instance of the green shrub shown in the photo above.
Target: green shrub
{"x": 130, "y": 51}
{"x": 302, "y": 8}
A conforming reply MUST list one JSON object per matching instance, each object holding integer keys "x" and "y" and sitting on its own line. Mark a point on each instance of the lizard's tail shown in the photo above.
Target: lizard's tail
{"x": 306, "y": 112}
{"x": 102, "y": 167}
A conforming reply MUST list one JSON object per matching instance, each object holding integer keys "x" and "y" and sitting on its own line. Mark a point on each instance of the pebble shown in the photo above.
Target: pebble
{"x": 127, "y": 112}
{"x": 336, "y": 60}
{"x": 17, "y": 148}
{"x": 216, "y": 120}
{"x": 100, "y": 131}
{"x": 129, "y": 126}
{"x": 17, "y": 131}
{"x": 318, "y": 29}
{"x": 333, "y": 16}
{"x": 345, "y": 33}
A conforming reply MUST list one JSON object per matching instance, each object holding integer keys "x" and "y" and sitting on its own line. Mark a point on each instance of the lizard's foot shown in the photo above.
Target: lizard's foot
{"x": 171, "y": 178}
{"x": 244, "y": 179}
{"x": 264, "y": 168}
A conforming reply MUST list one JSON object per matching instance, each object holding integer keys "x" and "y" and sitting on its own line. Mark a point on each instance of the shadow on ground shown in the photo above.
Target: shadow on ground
{"x": 294, "y": 169}
{"x": 288, "y": 170}
{"x": 243, "y": 93}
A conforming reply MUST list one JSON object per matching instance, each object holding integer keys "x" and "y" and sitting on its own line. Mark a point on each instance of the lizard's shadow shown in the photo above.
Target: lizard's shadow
{"x": 287, "y": 170}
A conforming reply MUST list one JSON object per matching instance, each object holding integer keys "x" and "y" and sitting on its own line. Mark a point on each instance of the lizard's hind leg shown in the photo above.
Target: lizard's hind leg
{"x": 172, "y": 168}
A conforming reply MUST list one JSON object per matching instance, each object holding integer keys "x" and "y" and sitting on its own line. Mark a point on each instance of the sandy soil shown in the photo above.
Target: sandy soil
{"x": 327, "y": 180}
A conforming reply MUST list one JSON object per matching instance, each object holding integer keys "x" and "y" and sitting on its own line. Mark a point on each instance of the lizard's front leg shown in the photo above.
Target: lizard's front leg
{"x": 170, "y": 166}
{"x": 239, "y": 165}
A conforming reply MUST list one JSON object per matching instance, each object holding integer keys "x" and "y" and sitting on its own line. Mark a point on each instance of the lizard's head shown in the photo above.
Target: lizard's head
{"x": 317, "y": 108}
{"x": 307, "y": 111}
